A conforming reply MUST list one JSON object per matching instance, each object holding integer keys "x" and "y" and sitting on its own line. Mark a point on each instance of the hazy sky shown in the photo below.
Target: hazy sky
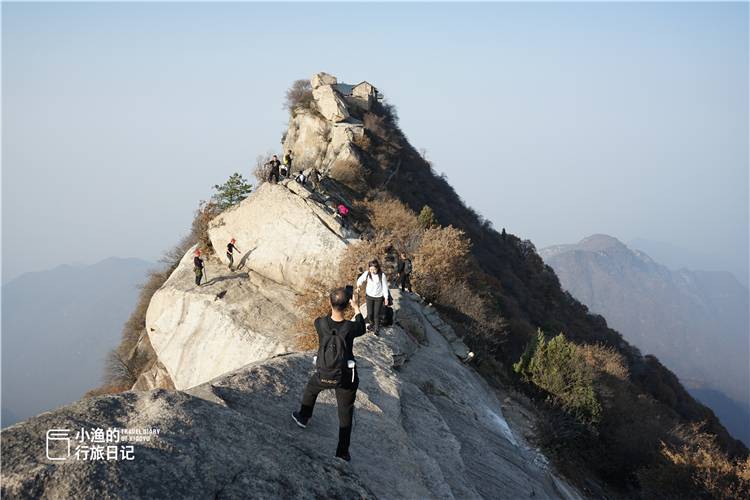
{"x": 553, "y": 120}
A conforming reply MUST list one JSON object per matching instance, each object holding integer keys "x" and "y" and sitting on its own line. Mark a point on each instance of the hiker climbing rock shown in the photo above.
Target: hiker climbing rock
{"x": 198, "y": 266}
{"x": 274, "y": 163}
{"x": 288, "y": 157}
{"x": 376, "y": 293}
{"x": 335, "y": 366}
{"x": 404, "y": 273}
{"x": 231, "y": 247}
{"x": 343, "y": 212}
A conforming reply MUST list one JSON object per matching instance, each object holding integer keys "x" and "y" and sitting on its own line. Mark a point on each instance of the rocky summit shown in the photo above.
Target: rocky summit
{"x": 215, "y": 404}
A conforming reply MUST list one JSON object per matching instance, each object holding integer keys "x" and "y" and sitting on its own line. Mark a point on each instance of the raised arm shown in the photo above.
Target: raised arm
{"x": 359, "y": 328}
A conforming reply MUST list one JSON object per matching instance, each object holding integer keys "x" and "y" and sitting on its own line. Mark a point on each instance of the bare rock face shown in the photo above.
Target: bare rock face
{"x": 249, "y": 313}
{"x": 331, "y": 105}
{"x": 320, "y": 79}
{"x": 283, "y": 236}
{"x": 426, "y": 426}
{"x": 307, "y": 137}
{"x": 199, "y": 333}
{"x": 327, "y": 140}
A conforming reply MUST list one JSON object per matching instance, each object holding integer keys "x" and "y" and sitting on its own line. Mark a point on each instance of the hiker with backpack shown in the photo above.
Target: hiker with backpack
{"x": 404, "y": 272}
{"x": 198, "y": 266}
{"x": 377, "y": 293}
{"x": 230, "y": 252}
{"x": 335, "y": 366}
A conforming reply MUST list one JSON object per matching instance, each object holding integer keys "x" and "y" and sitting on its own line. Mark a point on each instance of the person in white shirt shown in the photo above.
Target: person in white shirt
{"x": 376, "y": 293}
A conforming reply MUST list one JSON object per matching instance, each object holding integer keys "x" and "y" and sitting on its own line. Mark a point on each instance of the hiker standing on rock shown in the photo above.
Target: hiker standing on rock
{"x": 404, "y": 272}
{"x": 376, "y": 293}
{"x": 274, "y": 163}
{"x": 230, "y": 250}
{"x": 288, "y": 157}
{"x": 198, "y": 266}
{"x": 335, "y": 366}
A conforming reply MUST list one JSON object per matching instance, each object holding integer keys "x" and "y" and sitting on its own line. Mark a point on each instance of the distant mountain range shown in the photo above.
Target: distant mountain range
{"x": 695, "y": 322}
{"x": 676, "y": 257}
{"x": 57, "y": 327}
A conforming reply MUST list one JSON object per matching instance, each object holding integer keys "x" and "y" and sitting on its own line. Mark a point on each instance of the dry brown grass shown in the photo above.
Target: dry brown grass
{"x": 106, "y": 389}
{"x": 694, "y": 466}
{"x": 395, "y": 223}
{"x": 350, "y": 173}
{"x": 440, "y": 261}
{"x": 605, "y": 359}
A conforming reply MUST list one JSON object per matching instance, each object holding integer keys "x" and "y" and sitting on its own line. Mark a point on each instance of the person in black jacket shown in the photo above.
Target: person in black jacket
{"x": 231, "y": 247}
{"x": 346, "y": 387}
{"x": 274, "y": 174}
{"x": 404, "y": 272}
{"x": 198, "y": 266}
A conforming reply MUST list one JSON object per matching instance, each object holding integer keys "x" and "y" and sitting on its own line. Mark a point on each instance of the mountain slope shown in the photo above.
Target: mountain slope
{"x": 430, "y": 425}
{"x": 422, "y": 429}
{"x": 696, "y": 322}
{"x": 58, "y": 326}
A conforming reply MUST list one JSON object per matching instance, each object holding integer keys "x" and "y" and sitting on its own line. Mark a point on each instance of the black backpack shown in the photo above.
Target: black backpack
{"x": 331, "y": 353}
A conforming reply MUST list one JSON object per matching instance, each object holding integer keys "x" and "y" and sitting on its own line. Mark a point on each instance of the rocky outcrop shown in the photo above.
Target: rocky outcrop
{"x": 320, "y": 79}
{"x": 330, "y": 104}
{"x": 248, "y": 314}
{"x": 426, "y": 426}
{"x": 285, "y": 237}
{"x": 327, "y": 138}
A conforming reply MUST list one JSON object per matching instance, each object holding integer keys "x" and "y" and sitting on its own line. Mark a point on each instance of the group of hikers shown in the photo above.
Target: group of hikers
{"x": 199, "y": 267}
{"x": 335, "y": 366}
{"x": 283, "y": 169}
{"x": 279, "y": 170}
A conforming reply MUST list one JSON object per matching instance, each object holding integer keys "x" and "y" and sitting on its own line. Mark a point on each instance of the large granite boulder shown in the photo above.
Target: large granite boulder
{"x": 288, "y": 241}
{"x": 233, "y": 319}
{"x": 331, "y": 105}
{"x": 283, "y": 236}
{"x": 320, "y": 79}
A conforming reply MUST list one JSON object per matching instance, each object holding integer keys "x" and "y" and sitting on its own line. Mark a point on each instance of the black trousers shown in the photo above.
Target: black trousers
{"x": 273, "y": 175}
{"x": 198, "y": 277}
{"x": 231, "y": 259}
{"x": 345, "y": 396}
{"x": 404, "y": 281}
{"x": 374, "y": 308}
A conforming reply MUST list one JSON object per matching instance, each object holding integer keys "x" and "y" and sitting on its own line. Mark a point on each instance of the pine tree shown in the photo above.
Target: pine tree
{"x": 427, "y": 218}
{"x": 231, "y": 192}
